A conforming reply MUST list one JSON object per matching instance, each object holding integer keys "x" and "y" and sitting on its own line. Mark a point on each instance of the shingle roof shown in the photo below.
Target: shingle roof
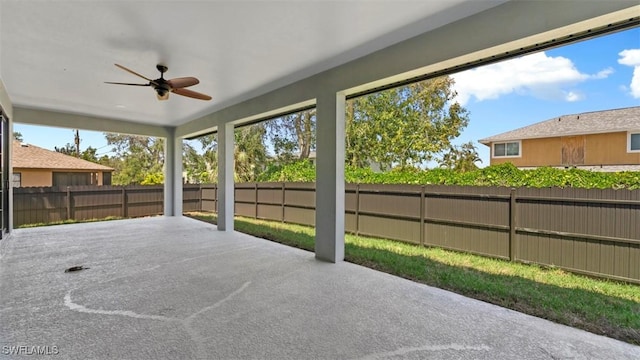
{"x": 33, "y": 157}
{"x": 626, "y": 119}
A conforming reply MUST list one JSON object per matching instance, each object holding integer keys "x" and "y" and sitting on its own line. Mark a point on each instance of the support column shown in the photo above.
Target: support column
{"x": 10, "y": 170}
{"x": 225, "y": 177}
{"x": 330, "y": 138}
{"x": 172, "y": 175}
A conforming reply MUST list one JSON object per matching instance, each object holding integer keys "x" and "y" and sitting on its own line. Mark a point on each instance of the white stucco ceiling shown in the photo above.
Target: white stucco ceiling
{"x": 56, "y": 55}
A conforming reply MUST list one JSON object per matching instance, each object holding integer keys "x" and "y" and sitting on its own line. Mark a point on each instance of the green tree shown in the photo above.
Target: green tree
{"x": 461, "y": 158}
{"x": 68, "y": 149}
{"x": 250, "y": 152}
{"x": 292, "y": 136}
{"x": 18, "y": 136}
{"x": 404, "y": 126}
{"x": 194, "y": 164}
{"x": 250, "y": 156}
{"x": 140, "y": 158}
{"x": 89, "y": 154}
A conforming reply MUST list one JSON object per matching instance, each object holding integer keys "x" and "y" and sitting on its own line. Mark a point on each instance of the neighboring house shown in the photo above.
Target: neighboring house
{"x": 606, "y": 140}
{"x": 35, "y": 166}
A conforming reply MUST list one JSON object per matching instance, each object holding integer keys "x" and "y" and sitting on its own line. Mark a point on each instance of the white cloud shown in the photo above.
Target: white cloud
{"x": 572, "y": 96}
{"x": 537, "y": 74}
{"x": 635, "y": 83}
{"x": 603, "y": 74}
{"x": 631, "y": 57}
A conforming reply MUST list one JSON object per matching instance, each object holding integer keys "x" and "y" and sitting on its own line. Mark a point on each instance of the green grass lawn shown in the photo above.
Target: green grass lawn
{"x": 603, "y": 307}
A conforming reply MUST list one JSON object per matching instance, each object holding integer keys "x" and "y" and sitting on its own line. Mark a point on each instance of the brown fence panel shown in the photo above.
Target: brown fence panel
{"x": 270, "y": 204}
{"x": 191, "y": 198}
{"x": 144, "y": 200}
{"x": 33, "y": 205}
{"x": 351, "y": 205}
{"x": 209, "y": 197}
{"x": 300, "y": 203}
{"x": 467, "y": 218}
{"x": 592, "y": 231}
{"x": 390, "y": 211}
{"x": 245, "y": 199}
{"x": 95, "y": 202}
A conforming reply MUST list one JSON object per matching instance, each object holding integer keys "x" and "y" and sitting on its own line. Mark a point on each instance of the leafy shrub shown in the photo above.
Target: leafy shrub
{"x": 497, "y": 175}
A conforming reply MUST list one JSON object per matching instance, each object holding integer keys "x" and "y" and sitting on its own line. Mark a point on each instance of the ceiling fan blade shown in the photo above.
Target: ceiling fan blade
{"x": 191, "y": 94}
{"x": 119, "y": 83}
{"x": 133, "y": 72}
{"x": 183, "y": 82}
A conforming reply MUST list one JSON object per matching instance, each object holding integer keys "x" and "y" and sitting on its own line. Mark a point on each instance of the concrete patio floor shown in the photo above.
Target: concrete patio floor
{"x": 176, "y": 288}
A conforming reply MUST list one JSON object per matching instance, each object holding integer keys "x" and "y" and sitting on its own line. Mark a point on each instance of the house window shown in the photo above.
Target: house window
{"x": 506, "y": 149}
{"x": 16, "y": 180}
{"x": 106, "y": 178}
{"x": 71, "y": 178}
{"x": 634, "y": 142}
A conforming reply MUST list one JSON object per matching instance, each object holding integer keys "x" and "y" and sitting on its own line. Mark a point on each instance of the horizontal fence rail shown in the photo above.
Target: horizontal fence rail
{"x": 589, "y": 231}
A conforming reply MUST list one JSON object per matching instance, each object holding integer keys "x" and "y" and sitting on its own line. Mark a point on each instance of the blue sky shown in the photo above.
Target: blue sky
{"x": 597, "y": 74}
{"x": 591, "y": 75}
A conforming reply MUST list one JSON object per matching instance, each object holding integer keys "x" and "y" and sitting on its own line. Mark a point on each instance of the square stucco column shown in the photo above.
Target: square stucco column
{"x": 330, "y": 133}
{"x": 225, "y": 177}
{"x": 173, "y": 175}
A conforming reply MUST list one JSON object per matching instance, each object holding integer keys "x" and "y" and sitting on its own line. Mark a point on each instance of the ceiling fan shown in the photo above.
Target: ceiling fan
{"x": 164, "y": 87}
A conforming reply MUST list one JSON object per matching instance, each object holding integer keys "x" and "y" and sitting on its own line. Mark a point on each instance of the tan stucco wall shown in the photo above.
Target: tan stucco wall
{"x": 42, "y": 177}
{"x": 535, "y": 152}
{"x": 34, "y": 177}
{"x": 600, "y": 149}
{"x": 607, "y": 149}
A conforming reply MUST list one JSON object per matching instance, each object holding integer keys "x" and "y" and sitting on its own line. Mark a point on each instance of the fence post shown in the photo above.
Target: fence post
{"x": 513, "y": 251}
{"x": 124, "y": 202}
{"x": 68, "y": 203}
{"x": 283, "y": 197}
{"x": 255, "y": 200}
{"x": 200, "y": 197}
{"x": 357, "y": 209}
{"x": 422, "y": 212}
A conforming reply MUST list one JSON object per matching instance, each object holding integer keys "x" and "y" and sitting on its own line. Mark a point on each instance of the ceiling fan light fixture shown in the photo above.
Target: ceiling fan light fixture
{"x": 164, "y": 87}
{"x": 163, "y": 92}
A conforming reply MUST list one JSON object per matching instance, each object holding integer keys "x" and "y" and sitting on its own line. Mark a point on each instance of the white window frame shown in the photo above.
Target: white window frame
{"x": 493, "y": 149}
{"x": 629, "y": 133}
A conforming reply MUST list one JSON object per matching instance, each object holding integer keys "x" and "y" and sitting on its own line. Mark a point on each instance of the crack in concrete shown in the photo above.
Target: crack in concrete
{"x": 218, "y": 303}
{"x": 197, "y": 338}
{"x": 79, "y": 308}
{"x": 432, "y": 348}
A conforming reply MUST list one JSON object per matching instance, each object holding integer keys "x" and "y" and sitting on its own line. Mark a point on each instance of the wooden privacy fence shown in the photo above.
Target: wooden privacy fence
{"x": 32, "y": 205}
{"x": 595, "y": 232}
{"x": 589, "y": 231}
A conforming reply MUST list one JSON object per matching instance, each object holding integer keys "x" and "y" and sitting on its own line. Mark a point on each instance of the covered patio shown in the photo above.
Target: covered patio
{"x": 173, "y": 287}
{"x": 258, "y": 60}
